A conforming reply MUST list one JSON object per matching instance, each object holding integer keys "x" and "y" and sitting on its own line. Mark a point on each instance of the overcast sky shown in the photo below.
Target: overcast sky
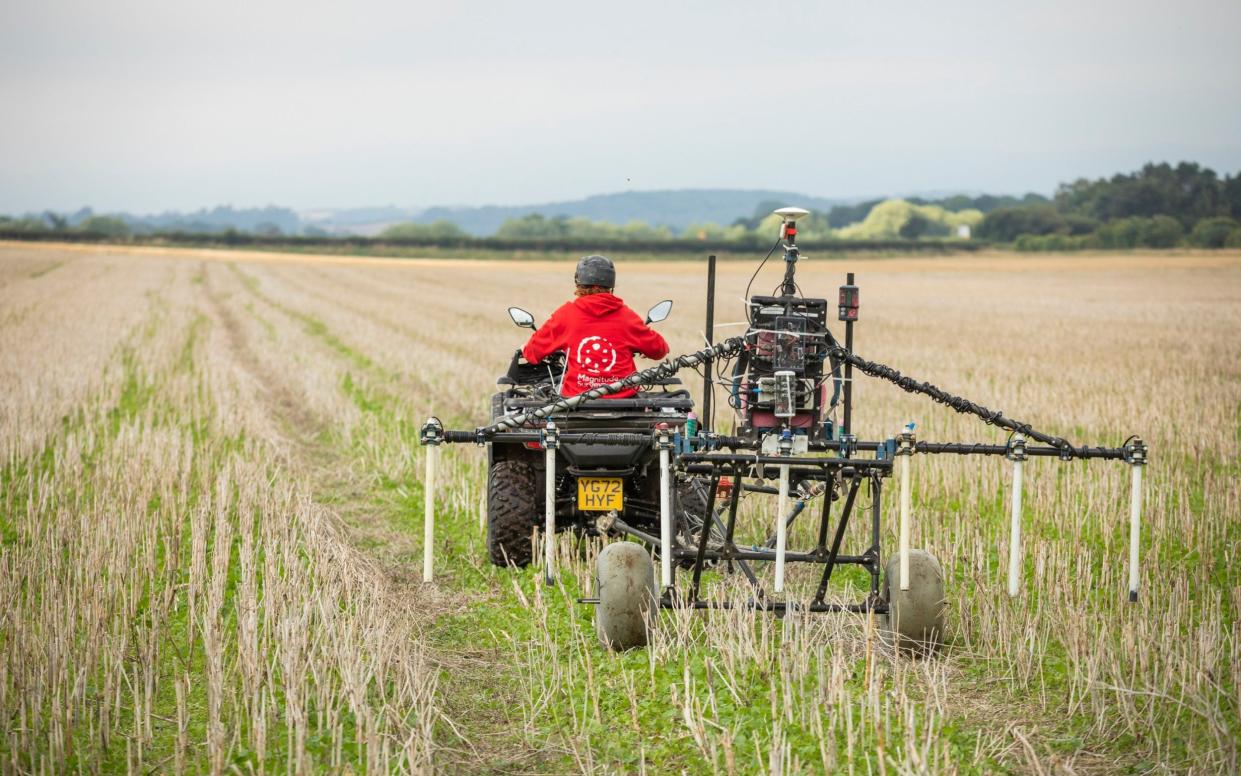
{"x": 159, "y": 104}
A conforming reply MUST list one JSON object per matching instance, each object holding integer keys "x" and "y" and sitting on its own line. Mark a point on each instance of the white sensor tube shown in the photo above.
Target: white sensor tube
{"x": 428, "y": 515}
{"x": 1135, "y": 529}
{"x": 1014, "y": 534}
{"x": 665, "y": 519}
{"x": 549, "y": 513}
{"x": 782, "y": 526}
{"x": 906, "y": 508}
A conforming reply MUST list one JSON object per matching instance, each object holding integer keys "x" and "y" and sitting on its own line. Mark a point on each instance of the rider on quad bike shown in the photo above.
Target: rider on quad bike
{"x": 588, "y": 342}
{"x": 597, "y": 332}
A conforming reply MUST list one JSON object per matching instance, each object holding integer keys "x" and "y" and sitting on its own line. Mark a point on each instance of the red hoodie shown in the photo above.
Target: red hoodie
{"x": 600, "y": 335}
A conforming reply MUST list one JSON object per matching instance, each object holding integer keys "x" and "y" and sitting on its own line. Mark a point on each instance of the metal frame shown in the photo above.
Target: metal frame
{"x": 724, "y": 456}
{"x": 713, "y": 456}
{"x": 850, "y": 473}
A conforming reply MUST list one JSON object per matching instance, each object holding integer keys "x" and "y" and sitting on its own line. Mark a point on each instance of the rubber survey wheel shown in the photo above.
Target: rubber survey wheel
{"x": 625, "y": 581}
{"x": 916, "y": 616}
{"x": 512, "y": 510}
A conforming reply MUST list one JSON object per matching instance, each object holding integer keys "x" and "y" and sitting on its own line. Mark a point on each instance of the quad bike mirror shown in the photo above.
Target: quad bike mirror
{"x": 521, "y": 317}
{"x": 659, "y": 311}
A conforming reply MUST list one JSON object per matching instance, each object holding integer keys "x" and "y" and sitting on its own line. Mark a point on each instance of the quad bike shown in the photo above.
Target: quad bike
{"x": 606, "y": 464}
{"x": 644, "y": 469}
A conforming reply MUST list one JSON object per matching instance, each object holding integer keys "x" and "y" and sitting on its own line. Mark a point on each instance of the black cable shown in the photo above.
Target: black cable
{"x": 666, "y": 368}
{"x": 799, "y": 292}
{"x": 748, "y": 314}
{"x": 702, "y": 370}
{"x": 720, "y": 365}
{"x": 736, "y": 346}
{"x": 962, "y": 405}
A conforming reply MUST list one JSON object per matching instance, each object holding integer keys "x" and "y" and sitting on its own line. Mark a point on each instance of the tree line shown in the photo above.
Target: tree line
{"x": 267, "y": 222}
{"x": 1159, "y": 206}
{"x": 891, "y": 219}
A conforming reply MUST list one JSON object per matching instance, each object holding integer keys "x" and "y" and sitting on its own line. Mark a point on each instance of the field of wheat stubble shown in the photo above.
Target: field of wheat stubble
{"x": 211, "y": 529}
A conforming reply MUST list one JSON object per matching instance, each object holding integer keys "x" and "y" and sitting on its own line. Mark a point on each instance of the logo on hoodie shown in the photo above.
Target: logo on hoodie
{"x": 595, "y": 355}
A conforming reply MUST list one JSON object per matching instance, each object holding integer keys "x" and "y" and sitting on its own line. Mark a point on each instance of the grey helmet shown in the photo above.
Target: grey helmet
{"x": 595, "y": 271}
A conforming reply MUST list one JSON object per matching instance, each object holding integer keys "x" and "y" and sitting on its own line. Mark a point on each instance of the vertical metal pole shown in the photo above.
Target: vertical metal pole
{"x": 788, "y": 230}
{"x": 905, "y": 453}
{"x": 1137, "y": 459}
{"x": 732, "y": 509}
{"x": 708, "y": 521}
{"x": 707, "y": 421}
{"x": 428, "y": 515}
{"x": 848, "y": 423}
{"x": 550, "y": 443}
{"x": 876, "y": 497}
{"x": 829, "y": 494}
{"x": 1017, "y": 454}
{"x": 782, "y": 527}
{"x": 845, "y": 512}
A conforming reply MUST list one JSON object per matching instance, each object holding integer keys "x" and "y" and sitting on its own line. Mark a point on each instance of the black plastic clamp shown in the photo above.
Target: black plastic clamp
{"x": 906, "y": 441}
{"x": 550, "y": 436}
{"x": 848, "y": 444}
{"x": 663, "y": 437}
{"x": 432, "y": 432}
{"x": 785, "y": 444}
{"x": 1135, "y": 452}
{"x": 1016, "y": 448}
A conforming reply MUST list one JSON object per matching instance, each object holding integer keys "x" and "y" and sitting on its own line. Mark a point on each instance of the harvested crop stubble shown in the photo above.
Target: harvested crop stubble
{"x": 275, "y": 401}
{"x": 172, "y": 598}
{"x": 71, "y": 316}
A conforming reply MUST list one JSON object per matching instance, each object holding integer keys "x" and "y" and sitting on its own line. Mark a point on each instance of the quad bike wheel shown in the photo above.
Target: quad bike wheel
{"x": 915, "y": 619}
{"x": 512, "y": 510}
{"x": 625, "y": 581}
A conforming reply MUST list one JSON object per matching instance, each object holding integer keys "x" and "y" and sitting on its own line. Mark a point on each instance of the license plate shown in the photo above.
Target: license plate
{"x": 600, "y": 494}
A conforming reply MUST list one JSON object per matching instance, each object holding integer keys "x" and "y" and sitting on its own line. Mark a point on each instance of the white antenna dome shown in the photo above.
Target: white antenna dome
{"x": 792, "y": 213}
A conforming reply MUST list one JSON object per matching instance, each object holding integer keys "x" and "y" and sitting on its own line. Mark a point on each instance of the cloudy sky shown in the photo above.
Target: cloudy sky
{"x": 160, "y": 104}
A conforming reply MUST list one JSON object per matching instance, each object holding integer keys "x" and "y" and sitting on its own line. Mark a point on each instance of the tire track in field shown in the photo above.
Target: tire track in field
{"x": 368, "y": 521}
{"x": 458, "y": 351}
{"x": 327, "y": 474}
{"x": 277, "y": 396}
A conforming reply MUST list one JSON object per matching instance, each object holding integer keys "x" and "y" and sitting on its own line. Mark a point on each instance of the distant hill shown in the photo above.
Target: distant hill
{"x": 675, "y": 208}
{"x": 366, "y": 221}
{"x": 219, "y": 219}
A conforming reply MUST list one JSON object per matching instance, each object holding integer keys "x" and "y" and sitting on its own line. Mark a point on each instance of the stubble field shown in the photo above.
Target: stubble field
{"x": 211, "y": 529}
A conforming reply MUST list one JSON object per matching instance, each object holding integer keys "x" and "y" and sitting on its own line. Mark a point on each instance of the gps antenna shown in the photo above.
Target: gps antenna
{"x": 788, "y": 233}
